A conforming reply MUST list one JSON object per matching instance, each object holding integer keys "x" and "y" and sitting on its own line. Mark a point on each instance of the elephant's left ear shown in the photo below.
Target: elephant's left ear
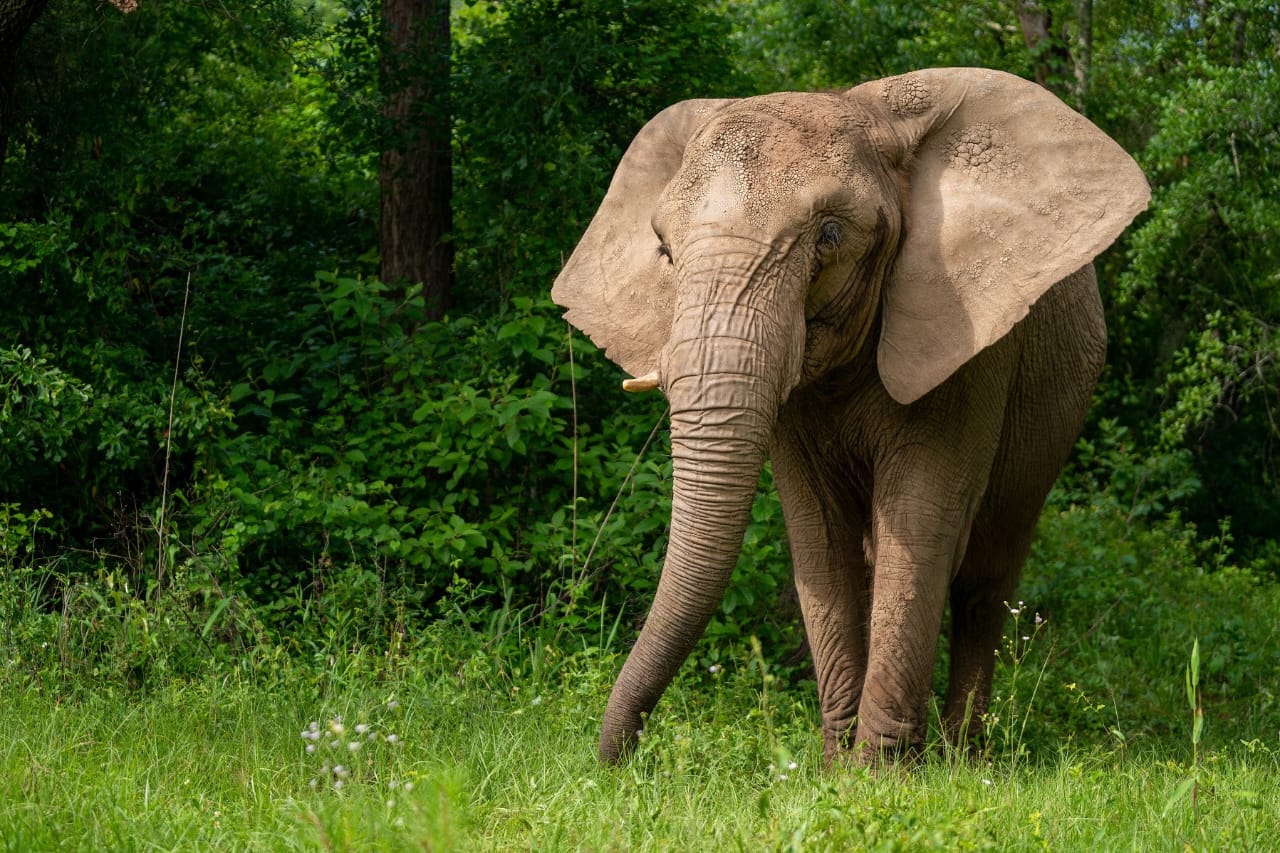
{"x": 616, "y": 286}
{"x": 1010, "y": 192}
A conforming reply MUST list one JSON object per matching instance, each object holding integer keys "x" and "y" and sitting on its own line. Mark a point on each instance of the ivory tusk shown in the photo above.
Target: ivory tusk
{"x": 643, "y": 383}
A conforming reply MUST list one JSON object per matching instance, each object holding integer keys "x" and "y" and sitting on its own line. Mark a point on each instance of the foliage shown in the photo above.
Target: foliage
{"x": 382, "y": 448}
{"x": 325, "y": 442}
{"x": 387, "y": 455}
{"x": 104, "y": 247}
{"x": 1123, "y": 600}
{"x": 547, "y": 95}
{"x": 811, "y": 44}
{"x": 34, "y": 414}
{"x": 1200, "y": 301}
{"x": 342, "y": 473}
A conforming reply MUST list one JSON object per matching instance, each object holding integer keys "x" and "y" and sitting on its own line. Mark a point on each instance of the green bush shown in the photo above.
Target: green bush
{"x": 1124, "y": 593}
{"x": 384, "y": 458}
{"x": 173, "y": 215}
{"x": 547, "y": 95}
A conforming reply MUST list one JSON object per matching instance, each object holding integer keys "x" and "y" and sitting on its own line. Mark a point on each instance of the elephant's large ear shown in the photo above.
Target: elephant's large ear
{"x": 1009, "y": 192}
{"x": 616, "y": 286}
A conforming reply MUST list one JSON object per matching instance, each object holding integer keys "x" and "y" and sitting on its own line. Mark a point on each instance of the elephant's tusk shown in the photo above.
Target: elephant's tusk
{"x": 642, "y": 383}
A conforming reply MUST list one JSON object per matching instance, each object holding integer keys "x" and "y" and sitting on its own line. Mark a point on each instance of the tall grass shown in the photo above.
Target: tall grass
{"x": 489, "y": 755}
{"x": 190, "y": 726}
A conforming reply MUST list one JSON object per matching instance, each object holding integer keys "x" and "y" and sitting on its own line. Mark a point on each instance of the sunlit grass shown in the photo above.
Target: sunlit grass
{"x": 488, "y": 755}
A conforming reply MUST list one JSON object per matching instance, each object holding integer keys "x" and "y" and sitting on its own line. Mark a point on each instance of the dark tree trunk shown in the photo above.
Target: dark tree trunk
{"x": 16, "y": 17}
{"x": 1050, "y": 54}
{"x": 416, "y": 170}
{"x": 1084, "y": 62}
{"x": 1240, "y": 43}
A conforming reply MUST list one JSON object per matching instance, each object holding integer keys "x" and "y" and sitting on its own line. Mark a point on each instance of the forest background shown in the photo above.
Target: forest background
{"x": 280, "y": 378}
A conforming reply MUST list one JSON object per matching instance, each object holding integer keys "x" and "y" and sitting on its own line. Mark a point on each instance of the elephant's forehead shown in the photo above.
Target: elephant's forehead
{"x": 762, "y": 153}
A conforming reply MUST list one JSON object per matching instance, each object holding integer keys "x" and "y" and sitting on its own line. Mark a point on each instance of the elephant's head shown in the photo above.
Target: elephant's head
{"x": 746, "y": 247}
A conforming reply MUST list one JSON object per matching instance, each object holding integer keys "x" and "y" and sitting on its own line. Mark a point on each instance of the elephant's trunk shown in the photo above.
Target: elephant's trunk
{"x": 710, "y": 510}
{"x": 724, "y": 393}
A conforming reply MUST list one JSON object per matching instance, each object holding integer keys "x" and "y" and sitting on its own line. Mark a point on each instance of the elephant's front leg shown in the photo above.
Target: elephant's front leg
{"x": 826, "y": 535}
{"x": 920, "y": 531}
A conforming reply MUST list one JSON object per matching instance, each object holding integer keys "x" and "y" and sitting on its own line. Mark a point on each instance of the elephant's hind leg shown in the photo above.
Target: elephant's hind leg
{"x": 980, "y": 601}
{"x": 1063, "y": 345}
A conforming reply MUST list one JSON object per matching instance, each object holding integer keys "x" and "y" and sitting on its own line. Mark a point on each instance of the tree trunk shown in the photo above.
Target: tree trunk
{"x": 416, "y": 169}
{"x": 1240, "y": 42}
{"x": 16, "y": 17}
{"x": 1050, "y": 56}
{"x": 1084, "y": 59}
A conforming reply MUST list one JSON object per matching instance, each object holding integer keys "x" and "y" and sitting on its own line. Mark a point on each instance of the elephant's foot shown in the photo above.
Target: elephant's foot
{"x": 885, "y": 751}
{"x": 849, "y": 744}
{"x": 884, "y": 739}
{"x": 838, "y": 738}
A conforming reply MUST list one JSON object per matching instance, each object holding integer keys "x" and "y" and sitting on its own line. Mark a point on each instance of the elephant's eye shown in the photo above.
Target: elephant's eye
{"x": 829, "y": 235}
{"x": 664, "y": 251}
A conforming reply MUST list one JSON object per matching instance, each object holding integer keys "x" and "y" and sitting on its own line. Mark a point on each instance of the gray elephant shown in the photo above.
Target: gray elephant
{"x": 889, "y": 292}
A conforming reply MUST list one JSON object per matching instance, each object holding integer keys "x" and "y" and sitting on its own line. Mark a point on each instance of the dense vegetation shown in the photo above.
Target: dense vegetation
{"x": 230, "y": 454}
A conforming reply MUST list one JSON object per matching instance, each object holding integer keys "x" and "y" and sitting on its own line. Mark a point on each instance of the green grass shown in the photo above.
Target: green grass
{"x": 497, "y": 752}
{"x": 152, "y": 725}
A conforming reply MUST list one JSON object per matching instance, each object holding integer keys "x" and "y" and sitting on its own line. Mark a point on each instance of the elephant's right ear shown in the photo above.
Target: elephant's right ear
{"x": 616, "y": 286}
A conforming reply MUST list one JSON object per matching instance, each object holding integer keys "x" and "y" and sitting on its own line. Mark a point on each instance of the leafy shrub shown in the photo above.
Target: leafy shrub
{"x": 384, "y": 458}
{"x": 547, "y": 94}
{"x": 169, "y": 216}
{"x": 1124, "y": 591}
{"x": 1198, "y": 306}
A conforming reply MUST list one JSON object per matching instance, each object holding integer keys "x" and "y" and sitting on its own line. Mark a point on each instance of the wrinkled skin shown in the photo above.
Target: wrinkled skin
{"x": 888, "y": 292}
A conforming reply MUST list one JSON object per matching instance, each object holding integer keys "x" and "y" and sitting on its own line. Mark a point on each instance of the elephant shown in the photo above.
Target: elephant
{"x": 889, "y": 293}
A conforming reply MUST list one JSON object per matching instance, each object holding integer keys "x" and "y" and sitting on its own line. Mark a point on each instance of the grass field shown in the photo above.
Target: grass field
{"x": 186, "y": 722}
{"x": 457, "y": 748}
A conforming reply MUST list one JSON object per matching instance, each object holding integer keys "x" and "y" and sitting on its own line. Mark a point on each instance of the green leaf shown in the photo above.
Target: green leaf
{"x": 1184, "y": 788}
